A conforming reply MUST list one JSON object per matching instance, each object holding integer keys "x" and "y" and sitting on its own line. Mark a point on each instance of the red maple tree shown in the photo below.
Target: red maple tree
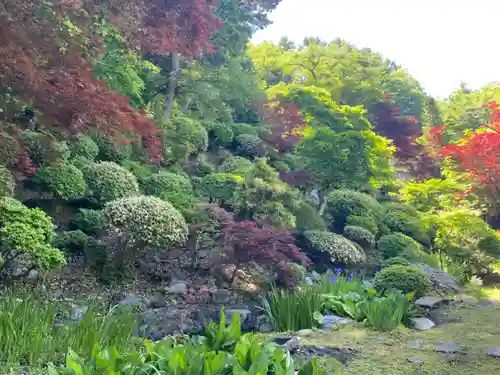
{"x": 47, "y": 49}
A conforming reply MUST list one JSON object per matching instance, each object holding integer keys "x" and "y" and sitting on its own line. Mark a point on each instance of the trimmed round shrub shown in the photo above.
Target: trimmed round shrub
{"x": 345, "y": 203}
{"x": 366, "y": 222}
{"x": 399, "y": 221}
{"x": 7, "y": 184}
{"x": 187, "y": 136}
{"x": 220, "y": 186}
{"x": 250, "y": 145}
{"x": 235, "y": 164}
{"x": 71, "y": 242}
{"x": 182, "y": 201}
{"x": 108, "y": 181}
{"x": 166, "y": 182}
{"x": 63, "y": 179}
{"x": 403, "y": 278}
{"x": 9, "y": 150}
{"x": 361, "y": 236}
{"x": 395, "y": 244}
{"x": 146, "y": 221}
{"x": 138, "y": 169}
{"x": 89, "y": 221}
{"x": 240, "y": 128}
{"x": 396, "y": 261}
{"x": 308, "y": 218}
{"x": 83, "y": 146}
{"x": 44, "y": 148}
{"x": 339, "y": 249}
{"x": 401, "y": 207}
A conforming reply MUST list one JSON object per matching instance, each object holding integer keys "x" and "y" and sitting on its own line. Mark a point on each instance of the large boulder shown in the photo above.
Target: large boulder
{"x": 441, "y": 280}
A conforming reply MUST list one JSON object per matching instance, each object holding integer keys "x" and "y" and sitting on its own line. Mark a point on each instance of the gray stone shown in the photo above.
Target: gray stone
{"x": 304, "y": 332}
{"x": 155, "y": 302}
{"x": 132, "y": 300}
{"x": 178, "y": 287}
{"x": 494, "y": 352}
{"x": 166, "y": 321}
{"x": 221, "y": 296}
{"x": 316, "y": 276}
{"x": 415, "y": 360}
{"x": 422, "y": 324}
{"x": 381, "y": 338}
{"x": 245, "y": 315}
{"x": 331, "y": 320}
{"x": 448, "y": 347}
{"x": 288, "y": 342}
{"x": 430, "y": 302}
{"x": 32, "y": 275}
{"x": 416, "y": 345}
{"x": 264, "y": 324}
{"x": 77, "y": 313}
{"x": 441, "y": 280}
{"x": 466, "y": 299}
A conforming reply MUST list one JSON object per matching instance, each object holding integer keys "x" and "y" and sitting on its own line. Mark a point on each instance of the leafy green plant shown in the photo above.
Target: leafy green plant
{"x": 393, "y": 245}
{"x": 348, "y": 305}
{"x": 83, "y": 146}
{"x": 387, "y": 312}
{"x": 89, "y": 221}
{"x": 71, "y": 242}
{"x": 292, "y": 310}
{"x": 7, "y": 184}
{"x": 63, "y": 179}
{"x": 166, "y": 182}
{"x": 359, "y": 235}
{"x": 403, "y": 278}
{"x": 338, "y": 249}
{"x": 396, "y": 261}
{"x": 218, "y": 337}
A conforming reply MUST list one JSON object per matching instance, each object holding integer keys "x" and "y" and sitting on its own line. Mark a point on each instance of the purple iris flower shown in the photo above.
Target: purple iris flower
{"x": 339, "y": 271}
{"x": 334, "y": 278}
{"x": 349, "y": 280}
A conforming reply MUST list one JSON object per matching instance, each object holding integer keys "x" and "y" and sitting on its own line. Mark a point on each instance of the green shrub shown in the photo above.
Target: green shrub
{"x": 396, "y": 261}
{"x": 44, "y": 148}
{"x": 221, "y": 133}
{"x": 401, "y": 207}
{"x": 242, "y": 128}
{"x": 26, "y": 234}
{"x": 395, "y": 244}
{"x": 138, "y": 169}
{"x": 71, "y": 242}
{"x": 220, "y": 186}
{"x": 186, "y": 137}
{"x": 163, "y": 182}
{"x": 84, "y": 147}
{"x": 307, "y": 217}
{"x": 340, "y": 250}
{"x": 64, "y": 180}
{"x": 345, "y": 203}
{"x": 235, "y": 164}
{"x": 89, "y": 221}
{"x": 112, "y": 152}
{"x": 490, "y": 245}
{"x": 145, "y": 221}
{"x": 292, "y": 310}
{"x": 399, "y": 221}
{"x": 182, "y": 201}
{"x": 280, "y": 166}
{"x": 9, "y": 150}
{"x": 403, "y": 278}
{"x": 7, "y": 185}
{"x": 108, "y": 181}
{"x": 359, "y": 235}
{"x": 250, "y": 146}
{"x": 366, "y": 222}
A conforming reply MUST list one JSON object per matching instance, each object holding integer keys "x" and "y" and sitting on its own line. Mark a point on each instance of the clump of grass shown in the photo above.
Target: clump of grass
{"x": 292, "y": 310}
{"x": 28, "y": 335}
{"x": 337, "y": 284}
{"x": 388, "y": 312}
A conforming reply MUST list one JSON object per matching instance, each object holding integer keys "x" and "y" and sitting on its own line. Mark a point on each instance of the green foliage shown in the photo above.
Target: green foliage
{"x": 291, "y": 310}
{"x": 366, "y": 222}
{"x": 250, "y": 146}
{"x": 30, "y": 336}
{"x": 220, "y": 133}
{"x": 339, "y": 249}
{"x": 108, "y": 181}
{"x": 146, "y": 221}
{"x": 7, "y": 185}
{"x": 242, "y": 128}
{"x": 220, "y": 186}
{"x": 182, "y": 201}
{"x": 164, "y": 182}
{"x": 84, "y": 147}
{"x": 307, "y": 217}
{"x": 359, "y": 235}
{"x": 343, "y": 204}
{"x": 64, "y": 180}
{"x": 9, "y": 150}
{"x": 403, "y": 278}
{"x": 399, "y": 221}
{"x": 401, "y": 207}
{"x": 386, "y": 313}
{"x": 396, "y": 261}
{"x": 490, "y": 245}
{"x": 89, "y": 221}
{"x": 71, "y": 242}
{"x": 186, "y": 136}
{"x": 235, "y": 164}
{"x": 111, "y": 151}
{"x": 138, "y": 169}
{"x": 218, "y": 337}
{"x": 28, "y": 233}
{"x": 44, "y": 148}
{"x": 395, "y": 244}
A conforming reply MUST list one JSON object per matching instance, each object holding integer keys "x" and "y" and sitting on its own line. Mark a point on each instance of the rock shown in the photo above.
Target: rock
{"x": 430, "y": 302}
{"x": 155, "y": 302}
{"x": 56, "y": 294}
{"x": 304, "y": 332}
{"x": 264, "y": 324}
{"x": 494, "y": 352}
{"x": 415, "y": 360}
{"x": 32, "y": 275}
{"x": 168, "y": 320}
{"x": 416, "y": 346}
{"x": 331, "y": 320}
{"x": 131, "y": 300}
{"x": 448, "y": 347}
{"x": 288, "y": 342}
{"x": 178, "y": 287}
{"x": 381, "y": 338}
{"x": 441, "y": 280}
{"x": 221, "y": 297}
{"x": 245, "y": 316}
{"x": 77, "y": 313}
{"x": 422, "y": 324}
{"x": 316, "y": 276}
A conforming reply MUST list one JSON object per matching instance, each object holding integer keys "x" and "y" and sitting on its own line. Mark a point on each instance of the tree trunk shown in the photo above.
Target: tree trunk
{"x": 322, "y": 200}
{"x": 172, "y": 84}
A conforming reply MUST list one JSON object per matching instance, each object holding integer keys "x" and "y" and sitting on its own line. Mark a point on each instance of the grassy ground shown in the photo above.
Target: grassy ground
{"x": 387, "y": 354}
